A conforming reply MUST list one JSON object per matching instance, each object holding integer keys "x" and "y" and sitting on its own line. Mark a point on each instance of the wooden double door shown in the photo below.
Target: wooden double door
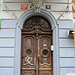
{"x": 36, "y": 55}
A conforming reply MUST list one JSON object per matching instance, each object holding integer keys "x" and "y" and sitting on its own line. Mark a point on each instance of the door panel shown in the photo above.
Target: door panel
{"x": 45, "y": 73}
{"x": 27, "y": 59}
{"x": 28, "y": 73}
{"x": 45, "y": 43}
{"x": 45, "y": 66}
{"x": 33, "y": 45}
{"x": 28, "y": 51}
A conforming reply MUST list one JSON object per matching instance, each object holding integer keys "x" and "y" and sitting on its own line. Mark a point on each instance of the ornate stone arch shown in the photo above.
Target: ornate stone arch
{"x": 54, "y": 27}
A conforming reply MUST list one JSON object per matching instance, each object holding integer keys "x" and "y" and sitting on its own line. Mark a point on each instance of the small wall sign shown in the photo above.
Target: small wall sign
{"x": 48, "y": 6}
{"x": 24, "y": 6}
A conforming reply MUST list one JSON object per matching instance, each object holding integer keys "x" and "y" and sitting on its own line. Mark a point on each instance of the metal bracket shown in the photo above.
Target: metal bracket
{"x": 70, "y": 33}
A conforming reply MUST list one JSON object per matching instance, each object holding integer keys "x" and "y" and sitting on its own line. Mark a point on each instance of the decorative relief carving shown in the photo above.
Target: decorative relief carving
{"x": 29, "y": 52}
{"x": 28, "y": 43}
{"x": 28, "y": 60}
{"x": 44, "y": 42}
{"x": 45, "y": 51}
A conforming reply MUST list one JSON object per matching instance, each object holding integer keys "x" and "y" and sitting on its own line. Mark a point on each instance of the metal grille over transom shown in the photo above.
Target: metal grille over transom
{"x": 36, "y": 55}
{"x": 37, "y": 21}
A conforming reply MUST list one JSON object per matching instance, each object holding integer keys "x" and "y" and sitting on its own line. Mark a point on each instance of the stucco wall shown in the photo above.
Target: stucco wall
{"x": 66, "y": 48}
{"x": 8, "y": 35}
{"x": 11, "y": 9}
{"x": 7, "y": 47}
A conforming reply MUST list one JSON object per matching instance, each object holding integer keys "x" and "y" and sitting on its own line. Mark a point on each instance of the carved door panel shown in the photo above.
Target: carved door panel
{"x": 36, "y": 55}
{"x": 45, "y": 59}
{"x": 28, "y": 58}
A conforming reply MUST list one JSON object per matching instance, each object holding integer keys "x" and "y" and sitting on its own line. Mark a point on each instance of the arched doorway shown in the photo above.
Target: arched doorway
{"x": 54, "y": 27}
{"x": 36, "y": 54}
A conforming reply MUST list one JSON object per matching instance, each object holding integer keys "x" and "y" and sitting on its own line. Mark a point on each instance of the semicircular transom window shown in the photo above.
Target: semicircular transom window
{"x": 31, "y": 22}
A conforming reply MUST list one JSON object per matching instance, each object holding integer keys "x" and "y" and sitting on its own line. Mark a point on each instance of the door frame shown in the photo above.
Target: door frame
{"x": 54, "y": 26}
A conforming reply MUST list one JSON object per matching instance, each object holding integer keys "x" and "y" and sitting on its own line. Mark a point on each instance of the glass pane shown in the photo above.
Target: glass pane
{"x": 28, "y": 51}
{"x": 36, "y": 21}
{"x": 45, "y": 52}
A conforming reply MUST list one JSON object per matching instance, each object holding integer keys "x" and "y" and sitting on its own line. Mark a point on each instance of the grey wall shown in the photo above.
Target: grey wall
{"x": 7, "y": 47}
{"x": 66, "y": 48}
{"x": 58, "y": 7}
